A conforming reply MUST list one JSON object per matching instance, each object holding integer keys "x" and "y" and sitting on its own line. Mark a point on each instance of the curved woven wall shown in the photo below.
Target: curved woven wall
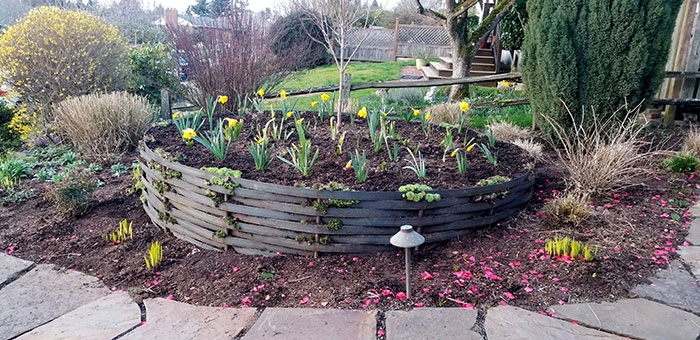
{"x": 263, "y": 218}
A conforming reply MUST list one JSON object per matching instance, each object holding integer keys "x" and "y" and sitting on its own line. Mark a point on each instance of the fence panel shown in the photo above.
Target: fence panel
{"x": 410, "y": 40}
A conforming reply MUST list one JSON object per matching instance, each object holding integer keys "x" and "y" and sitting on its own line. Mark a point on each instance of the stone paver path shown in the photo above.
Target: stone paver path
{"x": 636, "y": 317}
{"x": 166, "y": 320}
{"x": 432, "y": 323}
{"x": 104, "y": 318}
{"x": 512, "y": 323}
{"x": 11, "y": 266}
{"x": 47, "y": 303}
{"x": 308, "y": 324}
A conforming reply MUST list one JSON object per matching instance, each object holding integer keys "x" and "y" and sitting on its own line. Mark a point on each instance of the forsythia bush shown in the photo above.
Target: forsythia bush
{"x": 52, "y": 54}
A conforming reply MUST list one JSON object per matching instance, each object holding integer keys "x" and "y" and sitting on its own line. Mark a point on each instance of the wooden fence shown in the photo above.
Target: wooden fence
{"x": 383, "y": 44}
{"x": 259, "y": 218}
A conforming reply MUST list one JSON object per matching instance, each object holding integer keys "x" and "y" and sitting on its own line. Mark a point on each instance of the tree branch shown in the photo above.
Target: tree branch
{"x": 428, "y": 12}
{"x": 490, "y": 22}
{"x": 464, "y": 7}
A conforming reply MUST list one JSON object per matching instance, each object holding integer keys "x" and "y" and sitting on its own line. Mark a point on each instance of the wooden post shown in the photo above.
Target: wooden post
{"x": 693, "y": 60}
{"x": 680, "y": 58}
{"x": 396, "y": 39}
{"x": 165, "y": 110}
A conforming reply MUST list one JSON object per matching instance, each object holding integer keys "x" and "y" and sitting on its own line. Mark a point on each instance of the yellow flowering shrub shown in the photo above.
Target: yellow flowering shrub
{"x": 54, "y": 54}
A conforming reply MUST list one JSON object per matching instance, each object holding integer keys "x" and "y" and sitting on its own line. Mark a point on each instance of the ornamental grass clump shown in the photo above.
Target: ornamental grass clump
{"x": 683, "y": 162}
{"x": 534, "y": 149}
{"x": 691, "y": 143}
{"x": 102, "y": 126}
{"x": 573, "y": 208}
{"x": 601, "y": 155}
{"x": 154, "y": 256}
{"x": 508, "y": 131}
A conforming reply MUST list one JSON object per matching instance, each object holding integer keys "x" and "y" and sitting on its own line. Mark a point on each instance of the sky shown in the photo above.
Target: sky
{"x": 255, "y": 5}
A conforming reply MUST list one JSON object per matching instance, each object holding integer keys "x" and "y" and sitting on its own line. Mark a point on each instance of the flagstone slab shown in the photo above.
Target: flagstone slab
{"x": 512, "y": 323}
{"x": 638, "y": 318}
{"x": 314, "y": 324}
{"x": 691, "y": 257}
{"x": 43, "y": 294}
{"x": 694, "y": 232}
{"x": 673, "y": 286}
{"x": 10, "y": 266}
{"x": 168, "y": 320}
{"x": 431, "y": 323}
{"x": 105, "y": 318}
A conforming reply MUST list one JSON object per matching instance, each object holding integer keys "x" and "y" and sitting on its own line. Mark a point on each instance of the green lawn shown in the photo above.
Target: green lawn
{"x": 365, "y": 72}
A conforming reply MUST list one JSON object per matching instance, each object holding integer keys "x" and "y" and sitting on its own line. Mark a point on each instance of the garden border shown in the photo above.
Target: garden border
{"x": 264, "y": 219}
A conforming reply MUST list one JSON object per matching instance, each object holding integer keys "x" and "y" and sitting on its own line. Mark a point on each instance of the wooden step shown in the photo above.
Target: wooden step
{"x": 442, "y": 69}
{"x": 483, "y": 67}
{"x": 483, "y": 59}
{"x": 484, "y": 52}
{"x": 431, "y": 73}
{"x": 447, "y": 61}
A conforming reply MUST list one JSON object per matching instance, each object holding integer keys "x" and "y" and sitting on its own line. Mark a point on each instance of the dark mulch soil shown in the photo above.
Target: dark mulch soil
{"x": 331, "y": 168}
{"x": 634, "y": 229}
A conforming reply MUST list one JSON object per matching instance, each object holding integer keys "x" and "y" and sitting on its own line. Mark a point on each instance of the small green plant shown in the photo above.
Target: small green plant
{"x": 570, "y": 209}
{"x": 68, "y": 158}
{"x": 215, "y": 140}
{"x": 418, "y": 192}
{"x": 301, "y": 158}
{"x": 570, "y": 248}
{"x": 124, "y": 232}
{"x": 447, "y": 141}
{"x": 154, "y": 256}
{"x": 334, "y": 224}
{"x": 324, "y": 239}
{"x": 416, "y": 165}
{"x": 461, "y": 157}
{"x": 118, "y": 170}
{"x": 683, "y": 163}
{"x": 233, "y": 129}
{"x": 359, "y": 165}
{"x": 45, "y": 174}
{"x": 492, "y": 181}
{"x": 12, "y": 169}
{"x": 220, "y": 233}
{"x": 339, "y": 147}
{"x": 491, "y": 138}
{"x": 261, "y": 154}
{"x": 491, "y": 157}
{"x": 188, "y": 120}
{"x": 73, "y": 194}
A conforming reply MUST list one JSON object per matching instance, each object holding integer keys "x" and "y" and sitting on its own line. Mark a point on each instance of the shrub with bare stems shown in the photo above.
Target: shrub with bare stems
{"x": 508, "y": 131}
{"x": 232, "y": 57}
{"x": 572, "y": 208}
{"x": 101, "y": 126}
{"x": 602, "y": 155}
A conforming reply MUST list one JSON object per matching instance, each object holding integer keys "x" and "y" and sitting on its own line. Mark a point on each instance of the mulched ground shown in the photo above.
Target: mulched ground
{"x": 636, "y": 231}
{"x": 330, "y": 167}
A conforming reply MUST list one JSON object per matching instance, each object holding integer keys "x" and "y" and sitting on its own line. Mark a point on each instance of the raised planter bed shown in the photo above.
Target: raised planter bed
{"x": 263, "y": 218}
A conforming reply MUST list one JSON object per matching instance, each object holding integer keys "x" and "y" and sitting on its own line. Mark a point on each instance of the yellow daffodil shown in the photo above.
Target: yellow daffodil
{"x": 427, "y": 116}
{"x": 505, "y": 83}
{"x": 384, "y": 113}
{"x": 349, "y": 164}
{"x": 260, "y": 140}
{"x": 362, "y": 113}
{"x": 289, "y": 114}
{"x": 175, "y": 115}
{"x": 223, "y": 99}
{"x": 324, "y": 97}
{"x": 454, "y": 153}
{"x": 470, "y": 148}
{"x": 261, "y": 92}
{"x": 416, "y": 112}
{"x": 313, "y": 104}
{"x": 464, "y": 106}
{"x": 232, "y": 123}
{"x": 283, "y": 94}
{"x": 188, "y": 134}
{"x": 487, "y": 126}
{"x": 300, "y": 120}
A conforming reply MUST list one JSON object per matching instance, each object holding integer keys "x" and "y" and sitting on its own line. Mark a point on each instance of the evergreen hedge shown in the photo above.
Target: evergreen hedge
{"x": 595, "y": 54}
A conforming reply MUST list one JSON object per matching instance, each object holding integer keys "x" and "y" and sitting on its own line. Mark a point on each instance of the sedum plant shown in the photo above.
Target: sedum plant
{"x": 418, "y": 192}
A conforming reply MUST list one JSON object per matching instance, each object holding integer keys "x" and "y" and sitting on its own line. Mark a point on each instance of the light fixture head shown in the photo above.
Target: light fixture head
{"x": 407, "y": 238}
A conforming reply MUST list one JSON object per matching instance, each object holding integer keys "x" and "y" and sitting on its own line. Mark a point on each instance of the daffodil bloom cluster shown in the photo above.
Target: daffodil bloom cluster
{"x": 188, "y": 133}
{"x": 324, "y": 106}
{"x": 362, "y": 113}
